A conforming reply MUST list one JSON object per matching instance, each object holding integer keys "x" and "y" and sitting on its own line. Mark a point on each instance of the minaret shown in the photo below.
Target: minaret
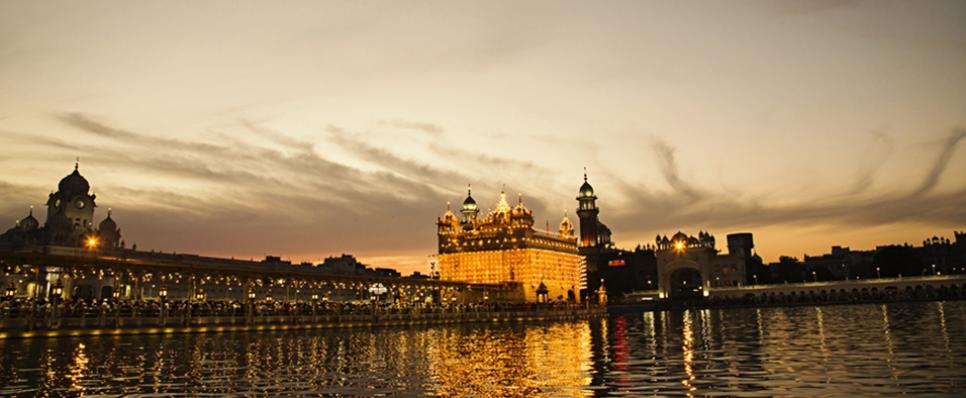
{"x": 587, "y": 212}
{"x": 469, "y": 210}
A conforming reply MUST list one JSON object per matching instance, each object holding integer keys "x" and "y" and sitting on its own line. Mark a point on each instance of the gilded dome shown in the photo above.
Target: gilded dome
{"x": 520, "y": 211}
{"x": 469, "y": 205}
{"x": 566, "y": 227}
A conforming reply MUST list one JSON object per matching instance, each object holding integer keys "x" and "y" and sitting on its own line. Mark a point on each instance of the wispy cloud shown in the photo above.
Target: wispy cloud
{"x": 653, "y": 210}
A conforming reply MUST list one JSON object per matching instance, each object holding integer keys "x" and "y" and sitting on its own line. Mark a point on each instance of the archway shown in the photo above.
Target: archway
{"x": 686, "y": 283}
{"x": 107, "y": 292}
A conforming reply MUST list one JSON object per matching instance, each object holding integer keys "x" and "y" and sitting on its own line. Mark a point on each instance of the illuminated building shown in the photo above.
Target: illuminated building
{"x": 690, "y": 265}
{"x": 503, "y": 247}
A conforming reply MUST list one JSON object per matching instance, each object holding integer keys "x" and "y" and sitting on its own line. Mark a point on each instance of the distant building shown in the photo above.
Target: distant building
{"x": 503, "y": 247}
{"x": 936, "y": 256}
{"x": 346, "y": 264}
{"x": 70, "y": 221}
{"x": 690, "y": 265}
{"x": 838, "y": 264}
{"x": 387, "y": 272}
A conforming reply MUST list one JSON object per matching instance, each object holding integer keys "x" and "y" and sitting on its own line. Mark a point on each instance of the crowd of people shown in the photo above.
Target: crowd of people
{"x": 21, "y": 307}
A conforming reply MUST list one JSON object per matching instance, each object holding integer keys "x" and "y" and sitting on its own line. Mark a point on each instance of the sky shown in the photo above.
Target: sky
{"x": 312, "y": 129}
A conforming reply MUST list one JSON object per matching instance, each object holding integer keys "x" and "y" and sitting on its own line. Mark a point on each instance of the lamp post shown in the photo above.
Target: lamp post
{"x": 814, "y": 277}
{"x": 163, "y": 295}
{"x": 878, "y": 274}
{"x": 56, "y": 292}
{"x": 934, "y": 269}
{"x": 315, "y": 300}
{"x": 372, "y": 299}
{"x": 251, "y": 305}
{"x": 755, "y": 276}
{"x": 117, "y": 307}
{"x": 10, "y": 292}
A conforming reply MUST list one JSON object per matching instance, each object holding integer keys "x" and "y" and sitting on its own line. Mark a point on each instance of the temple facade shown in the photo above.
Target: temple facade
{"x": 503, "y": 247}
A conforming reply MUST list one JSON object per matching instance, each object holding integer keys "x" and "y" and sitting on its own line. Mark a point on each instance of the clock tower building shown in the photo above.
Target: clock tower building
{"x": 70, "y": 210}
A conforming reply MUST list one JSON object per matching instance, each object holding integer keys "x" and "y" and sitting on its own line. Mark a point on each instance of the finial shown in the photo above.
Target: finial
{"x": 503, "y": 190}
{"x": 109, "y": 212}
{"x": 520, "y": 197}
{"x": 447, "y": 207}
{"x": 76, "y": 163}
{"x": 469, "y": 190}
{"x": 585, "y": 173}
{"x": 31, "y": 210}
{"x": 565, "y": 213}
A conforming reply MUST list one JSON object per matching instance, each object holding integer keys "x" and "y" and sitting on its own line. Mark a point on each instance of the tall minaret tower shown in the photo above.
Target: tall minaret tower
{"x": 587, "y": 211}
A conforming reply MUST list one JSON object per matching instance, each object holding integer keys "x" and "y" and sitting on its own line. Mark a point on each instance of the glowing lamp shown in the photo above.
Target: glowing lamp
{"x": 679, "y": 246}
{"x": 57, "y": 290}
{"x": 91, "y": 242}
{"x": 163, "y": 292}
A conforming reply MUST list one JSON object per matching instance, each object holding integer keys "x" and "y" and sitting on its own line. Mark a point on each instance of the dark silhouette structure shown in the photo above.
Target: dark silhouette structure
{"x": 621, "y": 271}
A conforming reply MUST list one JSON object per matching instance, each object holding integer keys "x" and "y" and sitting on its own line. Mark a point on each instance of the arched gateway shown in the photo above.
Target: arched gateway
{"x": 689, "y": 266}
{"x": 686, "y": 282}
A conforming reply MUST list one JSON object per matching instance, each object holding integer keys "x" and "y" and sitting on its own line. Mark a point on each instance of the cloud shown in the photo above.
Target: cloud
{"x": 665, "y": 211}
{"x": 278, "y": 137}
{"x": 870, "y": 161}
{"x": 221, "y": 196}
{"x": 941, "y": 162}
{"x": 429, "y": 129}
{"x": 669, "y": 169}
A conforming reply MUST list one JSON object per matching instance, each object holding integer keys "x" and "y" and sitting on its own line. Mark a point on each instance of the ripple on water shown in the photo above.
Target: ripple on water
{"x": 914, "y": 349}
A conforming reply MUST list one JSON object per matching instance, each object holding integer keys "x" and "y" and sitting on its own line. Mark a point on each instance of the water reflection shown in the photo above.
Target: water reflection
{"x": 686, "y": 347}
{"x": 804, "y": 351}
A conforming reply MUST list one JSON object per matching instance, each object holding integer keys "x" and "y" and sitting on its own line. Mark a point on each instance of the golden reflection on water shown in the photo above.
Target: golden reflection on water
{"x": 78, "y": 369}
{"x": 942, "y": 329}
{"x": 687, "y": 346}
{"x": 887, "y": 334}
{"x": 800, "y": 351}
{"x": 649, "y": 327}
{"x": 823, "y": 347}
{"x": 761, "y": 328}
{"x": 555, "y": 360}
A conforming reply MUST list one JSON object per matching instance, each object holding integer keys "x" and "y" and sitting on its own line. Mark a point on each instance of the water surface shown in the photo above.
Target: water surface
{"x": 911, "y": 348}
